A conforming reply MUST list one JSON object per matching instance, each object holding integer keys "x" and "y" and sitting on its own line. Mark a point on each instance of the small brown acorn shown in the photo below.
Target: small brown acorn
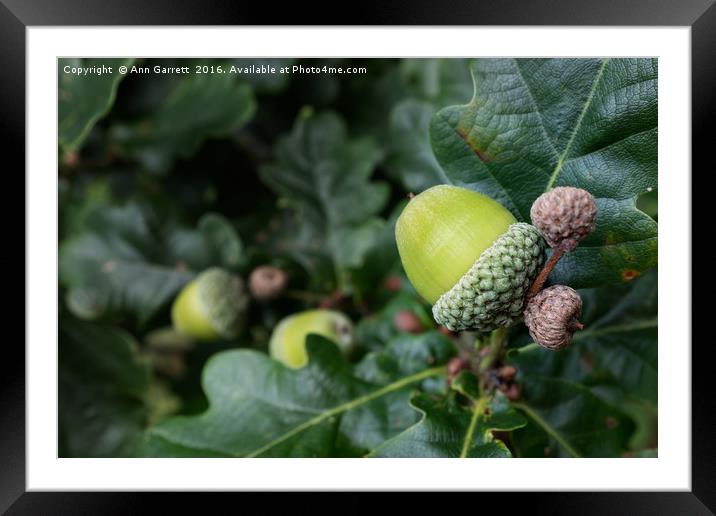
{"x": 267, "y": 282}
{"x": 552, "y": 316}
{"x": 507, "y": 373}
{"x": 455, "y": 366}
{"x": 564, "y": 216}
{"x": 407, "y": 322}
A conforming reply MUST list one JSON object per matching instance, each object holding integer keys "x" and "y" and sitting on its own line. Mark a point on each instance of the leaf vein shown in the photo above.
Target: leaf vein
{"x": 480, "y": 156}
{"x": 477, "y": 410}
{"x": 536, "y": 109}
{"x": 577, "y": 125}
{"x": 552, "y": 432}
{"x": 344, "y": 407}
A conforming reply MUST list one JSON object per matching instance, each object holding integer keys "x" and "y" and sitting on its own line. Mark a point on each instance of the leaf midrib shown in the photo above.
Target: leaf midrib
{"x": 617, "y": 328}
{"x": 478, "y": 409}
{"x": 344, "y": 407}
{"x": 577, "y": 126}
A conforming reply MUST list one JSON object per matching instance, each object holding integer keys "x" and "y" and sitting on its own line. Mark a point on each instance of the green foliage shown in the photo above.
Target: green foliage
{"x": 164, "y": 176}
{"x": 610, "y": 366}
{"x": 537, "y": 123}
{"x": 130, "y": 261}
{"x": 198, "y": 107}
{"x": 260, "y": 408}
{"x": 435, "y": 83}
{"x": 324, "y": 178}
{"x": 451, "y": 429}
{"x": 84, "y": 99}
{"x": 103, "y": 409}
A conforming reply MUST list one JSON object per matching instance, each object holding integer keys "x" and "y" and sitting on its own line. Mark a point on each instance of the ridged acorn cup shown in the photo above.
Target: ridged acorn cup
{"x": 212, "y": 306}
{"x": 564, "y": 215}
{"x": 288, "y": 340}
{"x": 552, "y": 316}
{"x": 467, "y": 254}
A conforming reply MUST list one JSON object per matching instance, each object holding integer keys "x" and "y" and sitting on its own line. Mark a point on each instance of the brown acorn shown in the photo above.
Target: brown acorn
{"x": 455, "y": 366}
{"x": 552, "y": 316}
{"x": 407, "y": 322}
{"x": 267, "y": 282}
{"x": 564, "y": 216}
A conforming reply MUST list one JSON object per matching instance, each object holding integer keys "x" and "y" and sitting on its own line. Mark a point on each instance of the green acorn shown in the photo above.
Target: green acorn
{"x": 212, "y": 306}
{"x": 467, "y": 255}
{"x": 288, "y": 341}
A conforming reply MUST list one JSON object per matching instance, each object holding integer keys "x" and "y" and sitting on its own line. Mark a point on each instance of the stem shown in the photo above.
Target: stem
{"x": 332, "y": 299}
{"x": 497, "y": 341}
{"x": 523, "y": 349}
{"x": 545, "y": 272}
{"x": 575, "y": 325}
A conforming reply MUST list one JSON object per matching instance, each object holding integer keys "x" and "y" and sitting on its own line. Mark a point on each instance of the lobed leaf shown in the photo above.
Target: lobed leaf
{"x": 533, "y": 124}
{"x": 326, "y": 180}
{"x": 260, "y": 408}
{"x": 449, "y": 429}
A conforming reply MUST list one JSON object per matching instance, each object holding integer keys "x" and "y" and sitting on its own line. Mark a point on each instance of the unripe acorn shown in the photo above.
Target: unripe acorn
{"x": 288, "y": 340}
{"x": 211, "y": 306}
{"x": 467, "y": 255}
{"x": 552, "y": 316}
{"x": 564, "y": 215}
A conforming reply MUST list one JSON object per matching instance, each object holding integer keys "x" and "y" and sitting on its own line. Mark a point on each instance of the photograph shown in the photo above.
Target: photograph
{"x": 357, "y": 257}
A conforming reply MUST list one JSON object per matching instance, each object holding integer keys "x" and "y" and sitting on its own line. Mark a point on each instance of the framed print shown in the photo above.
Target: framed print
{"x": 358, "y": 258}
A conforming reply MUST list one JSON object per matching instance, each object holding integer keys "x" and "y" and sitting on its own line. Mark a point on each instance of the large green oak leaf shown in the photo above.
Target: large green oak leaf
{"x": 329, "y": 408}
{"x": 534, "y": 124}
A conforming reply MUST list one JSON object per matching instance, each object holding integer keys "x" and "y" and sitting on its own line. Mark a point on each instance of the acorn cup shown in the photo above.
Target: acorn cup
{"x": 211, "y": 306}
{"x": 467, "y": 255}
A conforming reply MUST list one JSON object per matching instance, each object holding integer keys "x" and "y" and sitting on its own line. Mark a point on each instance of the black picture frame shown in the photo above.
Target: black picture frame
{"x": 17, "y": 15}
